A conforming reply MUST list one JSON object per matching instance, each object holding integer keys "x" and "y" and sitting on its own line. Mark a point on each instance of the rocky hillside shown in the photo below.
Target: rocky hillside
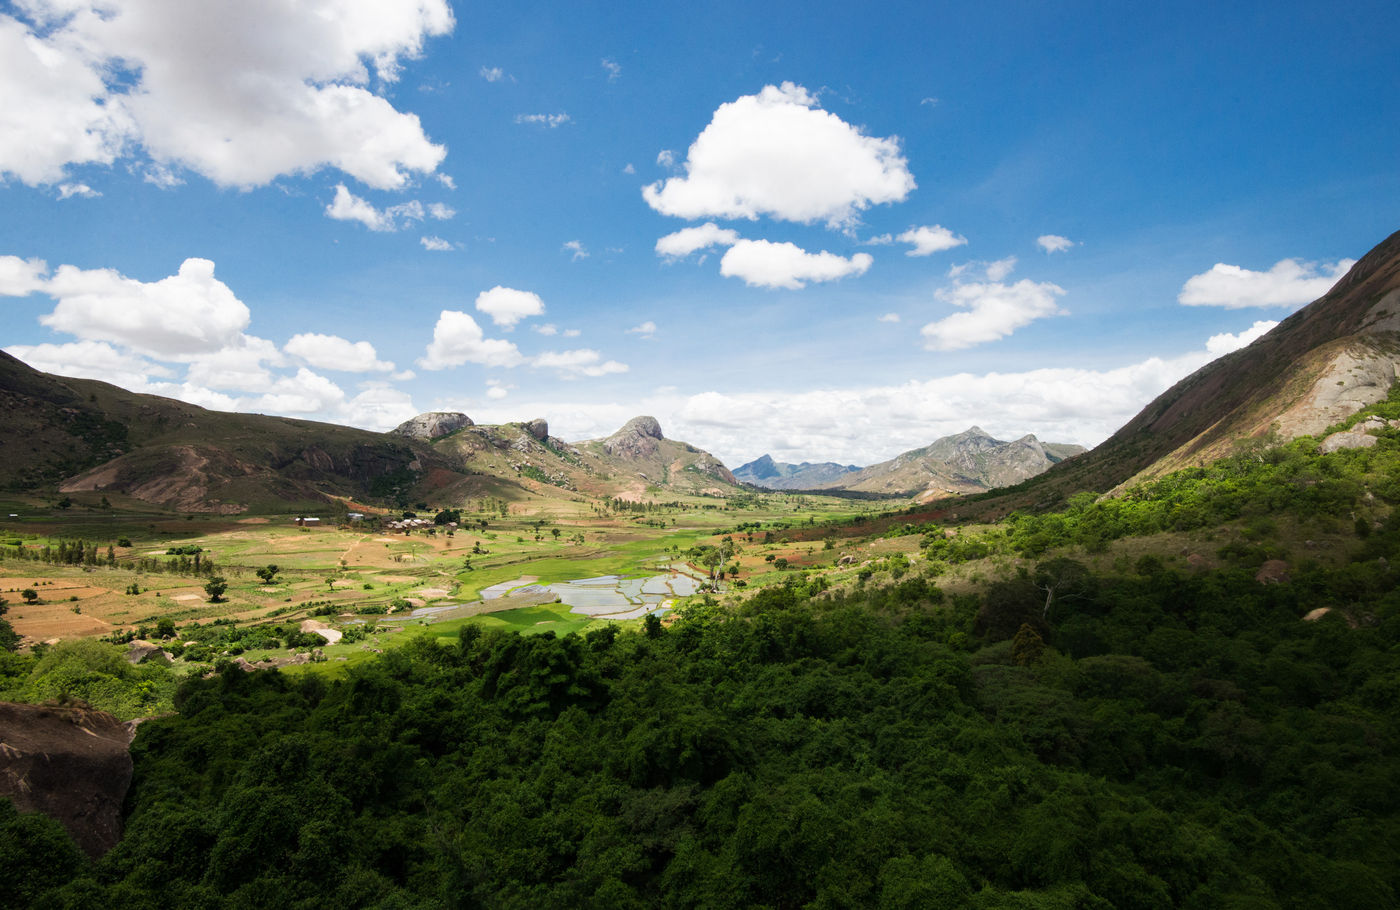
{"x": 776, "y": 475}
{"x": 80, "y": 436}
{"x": 969, "y": 462}
{"x": 69, "y": 763}
{"x": 639, "y": 455}
{"x": 1333, "y": 357}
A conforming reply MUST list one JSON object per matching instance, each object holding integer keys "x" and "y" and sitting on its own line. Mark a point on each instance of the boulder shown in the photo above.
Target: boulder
{"x": 69, "y": 763}
{"x": 1272, "y": 572}
{"x": 432, "y": 425}
{"x": 538, "y": 428}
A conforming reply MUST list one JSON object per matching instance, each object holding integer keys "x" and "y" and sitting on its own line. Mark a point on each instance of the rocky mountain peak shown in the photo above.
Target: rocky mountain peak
{"x": 432, "y": 425}
{"x": 638, "y": 438}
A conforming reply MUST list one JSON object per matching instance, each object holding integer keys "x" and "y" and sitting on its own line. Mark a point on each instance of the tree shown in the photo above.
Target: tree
{"x": 215, "y": 588}
{"x": 267, "y": 573}
{"x": 1061, "y": 577}
{"x": 165, "y": 627}
{"x": 30, "y": 596}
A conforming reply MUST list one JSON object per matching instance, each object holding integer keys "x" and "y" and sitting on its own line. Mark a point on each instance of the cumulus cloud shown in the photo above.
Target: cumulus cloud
{"x": 238, "y": 94}
{"x": 548, "y": 121}
{"x": 999, "y": 269}
{"x": 507, "y": 306}
{"x": 191, "y": 312}
{"x": 346, "y": 206}
{"x": 889, "y": 317}
{"x": 930, "y": 239}
{"x": 777, "y": 153}
{"x": 991, "y": 311}
{"x": 581, "y": 362}
{"x": 546, "y": 328}
{"x": 645, "y": 330}
{"x": 457, "y": 339}
{"x": 687, "y": 240}
{"x": 867, "y": 424}
{"x": 761, "y": 263}
{"x": 1289, "y": 283}
{"x": 435, "y": 244}
{"x": 441, "y": 211}
{"x": 1225, "y": 342}
{"x": 666, "y": 158}
{"x": 21, "y": 277}
{"x": 331, "y": 352}
{"x": 91, "y": 360}
{"x": 81, "y": 190}
{"x": 1054, "y": 243}
{"x": 496, "y": 391}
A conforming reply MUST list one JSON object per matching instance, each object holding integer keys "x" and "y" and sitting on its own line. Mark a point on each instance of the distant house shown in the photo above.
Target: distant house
{"x": 355, "y": 516}
{"x": 304, "y": 522}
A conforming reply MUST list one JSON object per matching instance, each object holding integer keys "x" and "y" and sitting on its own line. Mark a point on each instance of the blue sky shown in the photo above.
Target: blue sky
{"x": 823, "y": 232}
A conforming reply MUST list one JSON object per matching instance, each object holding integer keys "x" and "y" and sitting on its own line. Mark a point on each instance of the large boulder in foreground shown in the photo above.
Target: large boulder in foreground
{"x": 71, "y": 764}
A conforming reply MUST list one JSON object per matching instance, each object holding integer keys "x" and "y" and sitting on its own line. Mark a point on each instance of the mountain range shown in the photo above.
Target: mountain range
{"x": 1318, "y": 366}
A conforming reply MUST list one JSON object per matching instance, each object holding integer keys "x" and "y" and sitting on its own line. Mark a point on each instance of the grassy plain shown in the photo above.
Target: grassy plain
{"x": 365, "y": 575}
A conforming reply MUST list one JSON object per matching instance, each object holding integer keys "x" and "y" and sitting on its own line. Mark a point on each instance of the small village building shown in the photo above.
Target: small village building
{"x": 305, "y": 522}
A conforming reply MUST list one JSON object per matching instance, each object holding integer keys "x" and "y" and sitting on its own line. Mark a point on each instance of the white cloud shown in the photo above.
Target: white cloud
{"x": 191, "y": 312}
{"x": 666, "y": 158}
{"x": 496, "y": 392}
{"x": 348, "y": 207}
{"x": 492, "y": 73}
{"x": 1289, "y": 283}
{"x": 581, "y": 362}
{"x": 612, "y": 68}
{"x": 575, "y": 247}
{"x": 629, "y": 169}
{"x": 572, "y": 333}
{"x": 761, "y": 263}
{"x": 1054, "y": 243}
{"x": 91, "y": 360}
{"x": 379, "y": 407}
{"x": 687, "y": 240}
{"x": 999, "y": 269}
{"x": 303, "y": 394}
{"x": 548, "y": 121}
{"x": 546, "y": 328}
{"x": 889, "y": 317}
{"x": 1225, "y": 342}
{"x": 645, "y": 330}
{"x": 778, "y": 154}
{"x": 81, "y": 190}
{"x": 21, "y": 277}
{"x": 241, "y": 366}
{"x": 441, "y": 211}
{"x": 930, "y": 239}
{"x": 867, "y": 424}
{"x": 992, "y": 311}
{"x": 507, "y": 306}
{"x": 331, "y": 352}
{"x": 435, "y": 244}
{"x": 457, "y": 339}
{"x": 239, "y": 94}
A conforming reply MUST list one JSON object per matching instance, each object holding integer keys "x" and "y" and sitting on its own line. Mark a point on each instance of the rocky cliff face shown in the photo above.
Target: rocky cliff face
{"x": 638, "y": 439}
{"x": 71, "y": 764}
{"x": 432, "y": 425}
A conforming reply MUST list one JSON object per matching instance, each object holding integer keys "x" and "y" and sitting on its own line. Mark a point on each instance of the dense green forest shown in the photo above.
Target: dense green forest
{"x": 1143, "y": 733}
{"x": 1164, "y": 740}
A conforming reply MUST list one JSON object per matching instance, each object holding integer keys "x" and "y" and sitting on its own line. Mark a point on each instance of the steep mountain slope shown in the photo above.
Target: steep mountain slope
{"x": 968, "y": 462}
{"x": 639, "y": 455}
{"x": 1325, "y": 362}
{"x": 82, "y": 435}
{"x": 775, "y": 475}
